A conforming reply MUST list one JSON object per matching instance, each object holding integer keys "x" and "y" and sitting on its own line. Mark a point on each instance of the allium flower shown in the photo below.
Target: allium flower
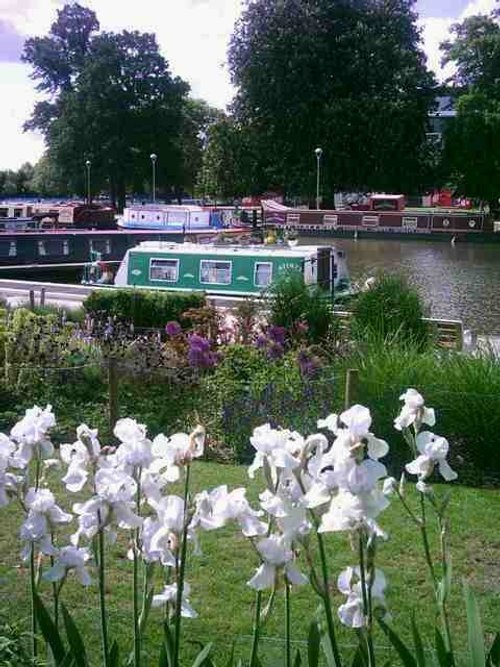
{"x": 349, "y": 583}
{"x": 169, "y": 594}
{"x": 277, "y": 334}
{"x": 173, "y": 329}
{"x": 276, "y": 555}
{"x": 31, "y": 434}
{"x": 433, "y": 451}
{"x": 414, "y": 411}
{"x": 70, "y": 558}
{"x": 200, "y": 354}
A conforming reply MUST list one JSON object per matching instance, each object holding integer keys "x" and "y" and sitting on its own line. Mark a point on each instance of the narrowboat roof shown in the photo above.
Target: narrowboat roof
{"x": 226, "y": 249}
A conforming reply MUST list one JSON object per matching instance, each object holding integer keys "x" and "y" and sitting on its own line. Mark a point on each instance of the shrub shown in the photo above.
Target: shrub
{"x": 390, "y": 310}
{"x": 292, "y": 301}
{"x": 247, "y": 388}
{"x": 144, "y": 308}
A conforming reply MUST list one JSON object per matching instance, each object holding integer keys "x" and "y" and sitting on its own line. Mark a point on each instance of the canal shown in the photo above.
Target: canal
{"x": 456, "y": 282}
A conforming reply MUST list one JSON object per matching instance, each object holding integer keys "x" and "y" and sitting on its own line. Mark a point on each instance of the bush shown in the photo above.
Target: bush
{"x": 248, "y": 389}
{"x": 390, "y": 310}
{"x": 144, "y": 308}
{"x": 292, "y": 301}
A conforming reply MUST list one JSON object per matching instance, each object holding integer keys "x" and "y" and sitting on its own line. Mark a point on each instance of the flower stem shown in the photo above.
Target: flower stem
{"x": 182, "y": 569}
{"x": 326, "y": 598}
{"x": 288, "y": 654}
{"x": 444, "y": 565}
{"x": 135, "y": 584}
{"x": 425, "y": 541}
{"x": 256, "y": 630}
{"x": 366, "y": 602}
{"x": 33, "y": 610}
{"x": 102, "y": 593}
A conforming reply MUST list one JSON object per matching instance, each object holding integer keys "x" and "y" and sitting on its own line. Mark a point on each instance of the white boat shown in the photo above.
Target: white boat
{"x": 169, "y": 217}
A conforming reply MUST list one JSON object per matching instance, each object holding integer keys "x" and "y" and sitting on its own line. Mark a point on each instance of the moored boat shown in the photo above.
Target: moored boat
{"x": 236, "y": 270}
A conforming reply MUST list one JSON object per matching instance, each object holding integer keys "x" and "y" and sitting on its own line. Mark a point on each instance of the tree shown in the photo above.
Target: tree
{"x": 472, "y": 143}
{"x": 346, "y": 75}
{"x": 113, "y": 101}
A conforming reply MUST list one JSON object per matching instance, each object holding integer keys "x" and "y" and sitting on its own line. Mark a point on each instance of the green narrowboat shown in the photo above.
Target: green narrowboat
{"x": 236, "y": 270}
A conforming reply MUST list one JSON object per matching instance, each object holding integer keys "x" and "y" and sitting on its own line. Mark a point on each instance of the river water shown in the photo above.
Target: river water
{"x": 456, "y": 282}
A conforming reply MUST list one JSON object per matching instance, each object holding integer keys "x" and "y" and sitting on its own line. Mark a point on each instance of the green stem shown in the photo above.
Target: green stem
{"x": 288, "y": 654}
{"x": 256, "y": 630}
{"x": 55, "y": 590}
{"x": 182, "y": 569}
{"x": 102, "y": 593}
{"x": 33, "y": 609}
{"x": 425, "y": 541}
{"x": 135, "y": 592}
{"x": 366, "y": 602}
{"x": 443, "y": 608}
{"x": 326, "y": 598}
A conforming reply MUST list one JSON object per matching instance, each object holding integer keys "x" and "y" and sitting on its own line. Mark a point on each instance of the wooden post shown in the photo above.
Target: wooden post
{"x": 351, "y": 385}
{"x": 32, "y": 299}
{"x": 42, "y": 296}
{"x": 112, "y": 393}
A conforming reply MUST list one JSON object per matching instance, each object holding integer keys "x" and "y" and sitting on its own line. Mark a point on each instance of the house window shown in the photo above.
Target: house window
{"x": 263, "y": 274}
{"x": 164, "y": 269}
{"x": 215, "y": 272}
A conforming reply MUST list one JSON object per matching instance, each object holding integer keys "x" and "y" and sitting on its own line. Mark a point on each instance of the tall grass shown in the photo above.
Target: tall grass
{"x": 464, "y": 390}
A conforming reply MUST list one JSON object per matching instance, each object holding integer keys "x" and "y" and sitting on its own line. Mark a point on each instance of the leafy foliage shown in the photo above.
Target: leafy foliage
{"x": 390, "y": 310}
{"x": 335, "y": 75}
{"x": 145, "y": 308}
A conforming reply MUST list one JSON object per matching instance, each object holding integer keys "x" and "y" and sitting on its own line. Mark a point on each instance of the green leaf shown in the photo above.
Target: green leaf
{"x": 417, "y": 642}
{"x": 143, "y": 618}
{"x": 313, "y": 644}
{"x": 230, "y": 662}
{"x": 444, "y": 586}
{"x": 167, "y": 648}
{"x": 360, "y": 657}
{"x": 474, "y": 630}
{"x": 297, "y": 662}
{"x": 201, "y": 658}
{"x": 493, "y": 659}
{"x": 49, "y": 631}
{"x": 67, "y": 661}
{"x": 74, "y": 639}
{"x": 403, "y": 651}
{"x": 114, "y": 655}
{"x": 445, "y": 658}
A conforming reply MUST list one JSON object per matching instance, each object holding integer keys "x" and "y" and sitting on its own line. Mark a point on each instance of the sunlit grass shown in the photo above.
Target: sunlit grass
{"x": 225, "y": 603}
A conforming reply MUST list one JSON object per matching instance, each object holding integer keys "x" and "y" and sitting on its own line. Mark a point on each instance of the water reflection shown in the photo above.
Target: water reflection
{"x": 456, "y": 282}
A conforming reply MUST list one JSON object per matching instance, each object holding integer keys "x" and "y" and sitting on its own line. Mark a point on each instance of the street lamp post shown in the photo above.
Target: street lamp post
{"x": 318, "y": 152}
{"x": 153, "y": 157}
{"x": 88, "y": 164}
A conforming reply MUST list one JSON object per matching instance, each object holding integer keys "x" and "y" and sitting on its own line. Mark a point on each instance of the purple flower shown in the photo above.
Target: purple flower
{"x": 197, "y": 341}
{"x": 173, "y": 329}
{"x": 277, "y": 334}
{"x": 308, "y": 363}
{"x": 261, "y": 342}
{"x": 275, "y": 350}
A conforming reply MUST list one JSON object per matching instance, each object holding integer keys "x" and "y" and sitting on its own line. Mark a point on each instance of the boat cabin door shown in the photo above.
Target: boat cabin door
{"x": 326, "y": 268}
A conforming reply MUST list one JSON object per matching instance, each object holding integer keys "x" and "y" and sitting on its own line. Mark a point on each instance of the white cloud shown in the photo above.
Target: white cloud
{"x": 436, "y": 30}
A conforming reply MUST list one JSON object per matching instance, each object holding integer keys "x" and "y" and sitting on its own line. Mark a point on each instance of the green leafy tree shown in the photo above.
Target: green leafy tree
{"x": 347, "y": 76}
{"x": 472, "y": 143}
{"x": 113, "y": 101}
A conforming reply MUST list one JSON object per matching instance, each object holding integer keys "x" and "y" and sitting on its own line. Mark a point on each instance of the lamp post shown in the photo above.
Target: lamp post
{"x": 88, "y": 164}
{"x": 153, "y": 158}
{"x": 318, "y": 152}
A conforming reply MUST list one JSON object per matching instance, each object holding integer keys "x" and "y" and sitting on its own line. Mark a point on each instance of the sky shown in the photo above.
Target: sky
{"x": 192, "y": 34}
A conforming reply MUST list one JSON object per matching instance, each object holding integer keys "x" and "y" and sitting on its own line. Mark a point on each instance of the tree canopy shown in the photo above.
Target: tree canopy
{"x": 472, "y": 143}
{"x": 346, "y": 75}
{"x": 111, "y": 100}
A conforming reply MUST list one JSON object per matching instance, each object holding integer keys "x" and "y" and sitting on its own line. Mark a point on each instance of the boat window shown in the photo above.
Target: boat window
{"x": 8, "y": 249}
{"x": 164, "y": 269}
{"x": 102, "y": 246}
{"x": 18, "y": 212}
{"x": 215, "y": 272}
{"x": 263, "y": 274}
{"x": 41, "y": 248}
{"x": 65, "y": 247}
{"x": 4, "y": 212}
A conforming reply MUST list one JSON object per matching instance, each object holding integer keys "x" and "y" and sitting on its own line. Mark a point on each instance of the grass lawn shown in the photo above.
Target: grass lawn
{"x": 225, "y": 603}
